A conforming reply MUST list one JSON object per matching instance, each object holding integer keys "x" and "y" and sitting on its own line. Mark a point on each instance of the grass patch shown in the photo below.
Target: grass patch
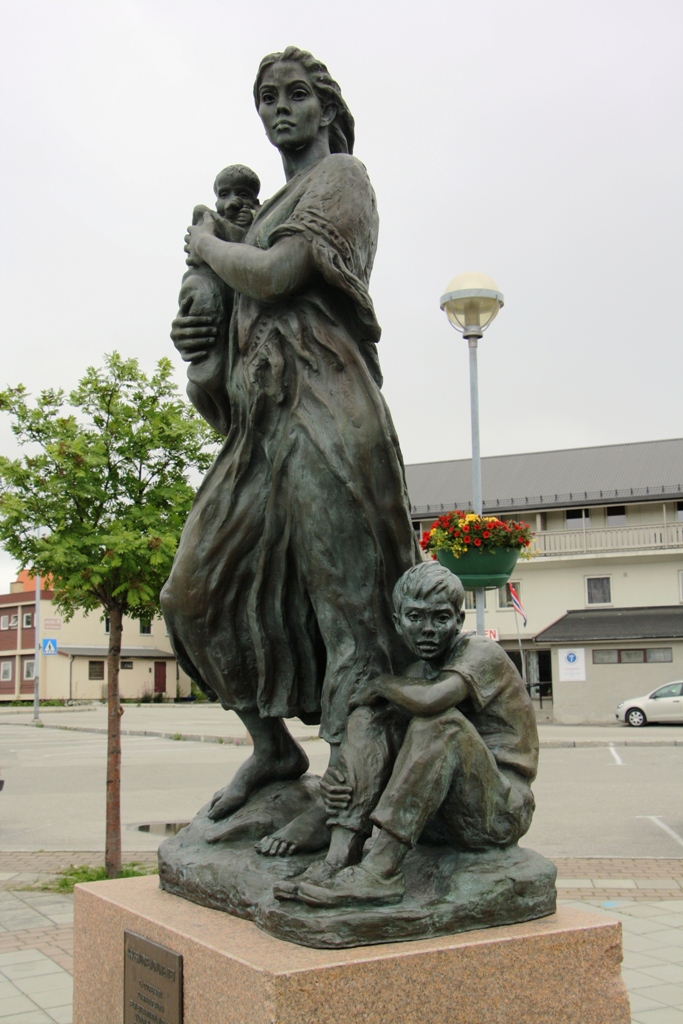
{"x": 71, "y": 876}
{"x": 177, "y": 736}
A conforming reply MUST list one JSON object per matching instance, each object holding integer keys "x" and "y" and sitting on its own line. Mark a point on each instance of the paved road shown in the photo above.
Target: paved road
{"x": 592, "y": 801}
{"x": 210, "y": 721}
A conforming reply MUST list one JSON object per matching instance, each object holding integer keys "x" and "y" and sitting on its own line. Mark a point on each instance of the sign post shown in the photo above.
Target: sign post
{"x": 36, "y": 663}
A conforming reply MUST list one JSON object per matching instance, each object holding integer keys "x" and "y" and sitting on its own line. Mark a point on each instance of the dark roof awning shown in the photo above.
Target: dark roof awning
{"x": 607, "y": 475}
{"x": 628, "y": 624}
{"x": 126, "y": 652}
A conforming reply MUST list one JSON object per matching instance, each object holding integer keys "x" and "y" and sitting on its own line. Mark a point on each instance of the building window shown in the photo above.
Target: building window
{"x": 6, "y": 672}
{"x": 632, "y": 656}
{"x": 27, "y": 620}
{"x": 29, "y": 669}
{"x": 4, "y": 621}
{"x": 616, "y": 515}
{"x": 145, "y": 629}
{"x": 577, "y": 518}
{"x": 657, "y": 654}
{"x": 598, "y": 590}
{"x": 95, "y": 670}
{"x": 605, "y": 657}
{"x": 14, "y": 622}
{"x": 679, "y": 511}
{"x": 471, "y": 600}
{"x": 126, "y": 664}
{"x": 107, "y": 625}
{"x": 504, "y": 596}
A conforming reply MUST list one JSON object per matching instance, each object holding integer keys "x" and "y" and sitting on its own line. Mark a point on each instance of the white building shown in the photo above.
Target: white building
{"x": 606, "y": 583}
{"x": 78, "y": 671}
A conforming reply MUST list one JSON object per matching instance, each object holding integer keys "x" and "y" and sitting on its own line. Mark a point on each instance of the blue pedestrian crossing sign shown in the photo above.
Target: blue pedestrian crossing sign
{"x": 49, "y": 646}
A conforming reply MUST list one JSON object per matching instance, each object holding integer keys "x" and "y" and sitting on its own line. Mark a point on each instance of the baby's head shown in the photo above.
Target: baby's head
{"x": 428, "y": 613}
{"x": 237, "y": 188}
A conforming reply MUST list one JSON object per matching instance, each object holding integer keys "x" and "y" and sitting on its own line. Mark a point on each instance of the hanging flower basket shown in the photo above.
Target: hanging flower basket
{"x": 488, "y": 569}
{"x": 481, "y": 550}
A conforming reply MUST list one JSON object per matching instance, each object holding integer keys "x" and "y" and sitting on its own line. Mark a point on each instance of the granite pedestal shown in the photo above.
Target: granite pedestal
{"x": 563, "y": 968}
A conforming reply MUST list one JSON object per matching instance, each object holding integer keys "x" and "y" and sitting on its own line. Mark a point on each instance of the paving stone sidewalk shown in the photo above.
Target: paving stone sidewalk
{"x": 646, "y": 895}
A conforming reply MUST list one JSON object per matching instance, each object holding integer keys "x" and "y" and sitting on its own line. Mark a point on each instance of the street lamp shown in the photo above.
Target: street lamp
{"x": 471, "y": 302}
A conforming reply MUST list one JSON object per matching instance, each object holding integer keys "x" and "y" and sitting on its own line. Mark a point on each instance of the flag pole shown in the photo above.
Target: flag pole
{"x": 521, "y": 652}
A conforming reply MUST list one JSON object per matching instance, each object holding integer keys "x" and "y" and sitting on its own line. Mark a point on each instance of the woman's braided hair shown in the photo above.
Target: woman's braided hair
{"x": 341, "y": 131}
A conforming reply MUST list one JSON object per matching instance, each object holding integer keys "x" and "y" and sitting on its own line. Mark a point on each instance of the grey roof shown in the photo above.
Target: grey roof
{"x": 654, "y": 623}
{"x": 126, "y": 652}
{"x": 610, "y": 474}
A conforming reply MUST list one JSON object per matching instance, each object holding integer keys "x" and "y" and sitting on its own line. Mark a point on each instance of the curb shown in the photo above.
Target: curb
{"x": 235, "y": 741}
{"x": 240, "y": 741}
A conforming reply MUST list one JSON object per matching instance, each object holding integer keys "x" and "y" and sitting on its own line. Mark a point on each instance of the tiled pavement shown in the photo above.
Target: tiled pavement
{"x": 36, "y": 943}
{"x": 36, "y": 937}
{"x": 20, "y": 869}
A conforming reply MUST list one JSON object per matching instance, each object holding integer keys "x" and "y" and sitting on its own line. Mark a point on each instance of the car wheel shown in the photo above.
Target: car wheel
{"x": 636, "y": 718}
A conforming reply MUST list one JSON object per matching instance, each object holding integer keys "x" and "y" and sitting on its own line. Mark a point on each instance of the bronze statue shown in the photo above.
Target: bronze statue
{"x": 279, "y": 603}
{"x": 444, "y": 754}
{"x": 279, "y": 599}
{"x": 203, "y": 294}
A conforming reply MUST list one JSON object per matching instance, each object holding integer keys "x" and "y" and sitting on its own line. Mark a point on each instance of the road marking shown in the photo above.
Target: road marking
{"x": 614, "y": 754}
{"x": 665, "y": 828}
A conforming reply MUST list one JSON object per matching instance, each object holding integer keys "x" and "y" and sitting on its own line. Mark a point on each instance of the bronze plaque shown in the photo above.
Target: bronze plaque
{"x": 152, "y": 982}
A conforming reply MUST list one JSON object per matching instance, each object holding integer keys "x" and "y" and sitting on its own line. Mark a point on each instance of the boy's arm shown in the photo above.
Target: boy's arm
{"x": 419, "y": 699}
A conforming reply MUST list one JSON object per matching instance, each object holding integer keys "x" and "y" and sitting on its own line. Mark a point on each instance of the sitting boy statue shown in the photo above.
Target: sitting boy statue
{"x": 444, "y": 754}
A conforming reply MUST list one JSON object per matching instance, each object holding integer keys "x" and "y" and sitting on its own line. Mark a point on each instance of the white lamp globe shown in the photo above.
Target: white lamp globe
{"x": 471, "y": 300}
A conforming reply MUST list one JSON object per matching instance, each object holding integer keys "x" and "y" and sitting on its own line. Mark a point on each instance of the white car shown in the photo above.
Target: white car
{"x": 662, "y": 705}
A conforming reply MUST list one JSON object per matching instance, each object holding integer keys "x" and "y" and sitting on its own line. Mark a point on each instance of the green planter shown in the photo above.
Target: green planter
{"x": 488, "y": 569}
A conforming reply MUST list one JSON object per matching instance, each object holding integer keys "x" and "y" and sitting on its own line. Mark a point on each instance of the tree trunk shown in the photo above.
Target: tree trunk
{"x": 112, "y": 853}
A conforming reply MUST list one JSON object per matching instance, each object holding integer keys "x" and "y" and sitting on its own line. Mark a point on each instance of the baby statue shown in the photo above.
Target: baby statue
{"x": 202, "y": 292}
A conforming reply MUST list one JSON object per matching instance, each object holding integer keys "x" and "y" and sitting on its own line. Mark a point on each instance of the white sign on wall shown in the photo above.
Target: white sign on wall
{"x": 572, "y": 664}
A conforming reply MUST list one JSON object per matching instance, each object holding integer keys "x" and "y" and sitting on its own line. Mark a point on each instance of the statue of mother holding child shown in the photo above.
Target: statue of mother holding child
{"x": 279, "y": 602}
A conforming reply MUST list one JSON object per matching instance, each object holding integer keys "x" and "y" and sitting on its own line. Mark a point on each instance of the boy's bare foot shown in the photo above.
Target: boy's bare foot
{"x": 255, "y": 772}
{"x": 304, "y": 834}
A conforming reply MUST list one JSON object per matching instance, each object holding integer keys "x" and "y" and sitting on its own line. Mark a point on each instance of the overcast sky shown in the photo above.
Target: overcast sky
{"x": 539, "y": 142}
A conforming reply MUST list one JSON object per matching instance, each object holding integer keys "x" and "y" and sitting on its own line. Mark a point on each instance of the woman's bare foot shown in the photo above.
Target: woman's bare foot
{"x": 304, "y": 834}
{"x": 266, "y": 764}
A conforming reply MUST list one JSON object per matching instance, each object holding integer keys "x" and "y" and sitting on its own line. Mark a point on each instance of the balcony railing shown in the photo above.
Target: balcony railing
{"x": 616, "y": 538}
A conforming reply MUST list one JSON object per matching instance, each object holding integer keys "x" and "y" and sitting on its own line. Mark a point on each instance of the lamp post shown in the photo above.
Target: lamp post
{"x": 471, "y": 302}
{"x": 36, "y": 663}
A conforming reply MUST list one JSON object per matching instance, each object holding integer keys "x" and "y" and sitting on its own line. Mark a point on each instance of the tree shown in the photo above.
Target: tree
{"x": 106, "y": 471}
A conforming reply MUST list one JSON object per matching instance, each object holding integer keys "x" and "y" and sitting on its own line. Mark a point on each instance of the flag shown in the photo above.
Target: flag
{"x": 516, "y": 603}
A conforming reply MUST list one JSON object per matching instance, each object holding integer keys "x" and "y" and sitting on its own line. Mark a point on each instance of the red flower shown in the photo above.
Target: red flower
{"x": 465, "y": 528}
{"x": 486, "y": 534}
{"x": 477, "y": 542}
{"x": 467, "y": 539}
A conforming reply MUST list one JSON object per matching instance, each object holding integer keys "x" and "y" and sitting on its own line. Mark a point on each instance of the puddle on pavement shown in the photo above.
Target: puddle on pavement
{"x": 160, "y": 828}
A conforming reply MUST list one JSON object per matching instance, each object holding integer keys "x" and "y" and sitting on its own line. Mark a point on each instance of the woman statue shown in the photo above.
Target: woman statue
{"x": 279, "y": 601}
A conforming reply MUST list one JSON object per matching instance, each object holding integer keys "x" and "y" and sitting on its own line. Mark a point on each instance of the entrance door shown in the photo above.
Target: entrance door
{"x": 160, "y": 677}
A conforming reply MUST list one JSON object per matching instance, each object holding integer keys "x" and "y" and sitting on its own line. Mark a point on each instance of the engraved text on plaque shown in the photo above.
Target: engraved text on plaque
{"x": 152, "y": 982}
